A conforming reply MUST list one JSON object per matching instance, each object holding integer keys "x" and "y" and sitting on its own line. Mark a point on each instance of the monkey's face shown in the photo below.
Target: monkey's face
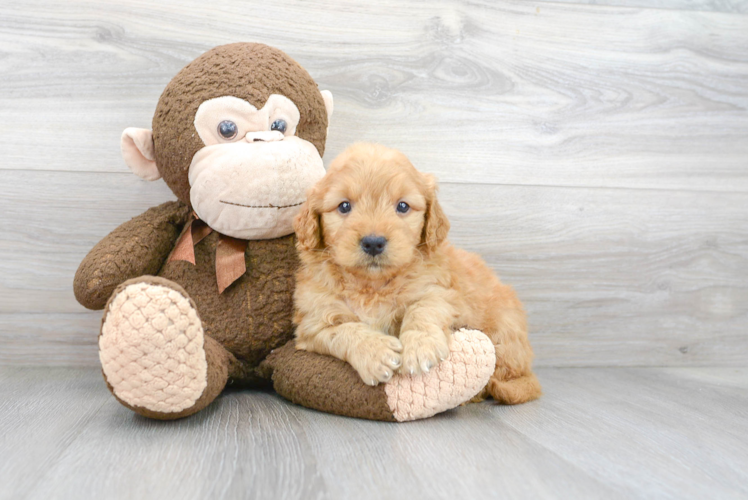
{"x": 238, "y": 134}
{"x": 250, "y": 178}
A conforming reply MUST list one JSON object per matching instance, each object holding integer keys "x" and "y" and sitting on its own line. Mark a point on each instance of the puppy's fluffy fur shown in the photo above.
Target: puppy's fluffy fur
{"x": 396, "y": 310}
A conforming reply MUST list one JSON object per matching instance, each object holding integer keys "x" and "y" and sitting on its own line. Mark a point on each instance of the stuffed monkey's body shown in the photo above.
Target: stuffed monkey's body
{"x": 199, "y": 292}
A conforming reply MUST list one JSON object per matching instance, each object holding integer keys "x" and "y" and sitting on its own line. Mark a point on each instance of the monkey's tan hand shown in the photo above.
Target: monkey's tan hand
{"x": 422, "y": 350}
{"x": 375, "y": 357}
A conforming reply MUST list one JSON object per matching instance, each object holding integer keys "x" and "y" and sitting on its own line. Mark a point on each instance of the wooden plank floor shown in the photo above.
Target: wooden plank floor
{"x": 597, "y": 433}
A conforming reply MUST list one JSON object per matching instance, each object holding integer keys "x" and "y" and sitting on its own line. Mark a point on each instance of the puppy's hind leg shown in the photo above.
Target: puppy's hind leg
{"x": 515, "y": 391}
{"x": 513, "y": 381}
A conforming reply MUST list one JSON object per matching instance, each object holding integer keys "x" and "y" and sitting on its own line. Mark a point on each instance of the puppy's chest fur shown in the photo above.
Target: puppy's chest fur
{"x": 384, "y": 307}
{"x": 382, "y": 313}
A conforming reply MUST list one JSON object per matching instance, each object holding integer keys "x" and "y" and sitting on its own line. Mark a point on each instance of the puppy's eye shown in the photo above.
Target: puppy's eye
{"x": 344, "y": 207}
{"x": 402, "y": 208}
{"x": 227, "y": 129}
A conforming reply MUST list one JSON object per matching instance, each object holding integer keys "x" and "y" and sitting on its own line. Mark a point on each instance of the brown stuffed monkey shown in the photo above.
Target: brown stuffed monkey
{"x": 199, "y": 292}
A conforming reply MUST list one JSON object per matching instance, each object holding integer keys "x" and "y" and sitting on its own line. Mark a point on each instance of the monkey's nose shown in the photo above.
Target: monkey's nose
{"x": 373, "y": 245}
{"x": 264, "y": 136}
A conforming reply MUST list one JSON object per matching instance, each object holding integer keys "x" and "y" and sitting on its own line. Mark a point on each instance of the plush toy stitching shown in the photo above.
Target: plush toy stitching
{"x": 262, "y": 206}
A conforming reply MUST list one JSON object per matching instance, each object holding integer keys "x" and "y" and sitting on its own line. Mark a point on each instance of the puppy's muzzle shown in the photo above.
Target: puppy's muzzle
{"x": 373, "y": 245}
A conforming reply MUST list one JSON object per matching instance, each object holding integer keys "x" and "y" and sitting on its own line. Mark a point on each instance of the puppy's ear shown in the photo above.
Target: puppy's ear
{"x": 436, "y": 224}
{"x": 307, "y": 224}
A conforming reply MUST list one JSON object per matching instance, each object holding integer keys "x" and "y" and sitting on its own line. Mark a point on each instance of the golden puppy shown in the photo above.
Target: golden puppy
{"x": 381, "y": 288}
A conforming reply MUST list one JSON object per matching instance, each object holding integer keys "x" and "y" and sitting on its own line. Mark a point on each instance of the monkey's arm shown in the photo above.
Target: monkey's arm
{"x": 137, "y": 247}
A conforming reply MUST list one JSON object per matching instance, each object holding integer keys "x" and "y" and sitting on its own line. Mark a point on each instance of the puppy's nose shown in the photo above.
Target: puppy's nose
{"x": 373, "y": 245}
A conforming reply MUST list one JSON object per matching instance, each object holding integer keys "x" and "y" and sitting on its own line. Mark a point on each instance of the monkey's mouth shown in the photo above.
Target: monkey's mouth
{"x": 270, "y": 205}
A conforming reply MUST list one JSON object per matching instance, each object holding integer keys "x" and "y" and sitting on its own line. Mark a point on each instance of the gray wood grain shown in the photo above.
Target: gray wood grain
{"x": 42, "y": 411}
{"x": 609, "y": 277}
{"x": 503, "y": 92}
{"x": 729, "y": 6}
{"x": 426, "y": 461}
{"x": 258, "y": 446}
{"x": 255, "y": 445}
{"x": 596, "y": 433}
{"x": 645, "y": 430}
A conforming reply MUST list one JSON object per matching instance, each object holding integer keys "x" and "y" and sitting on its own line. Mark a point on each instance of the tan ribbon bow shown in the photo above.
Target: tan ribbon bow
{"x": 230, "y": 263}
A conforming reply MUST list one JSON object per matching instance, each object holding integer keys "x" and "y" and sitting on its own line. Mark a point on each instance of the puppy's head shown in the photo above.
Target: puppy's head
{"x": 373, "y": 211}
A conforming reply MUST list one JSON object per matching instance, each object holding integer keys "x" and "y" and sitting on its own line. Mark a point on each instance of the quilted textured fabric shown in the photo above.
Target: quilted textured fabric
{"x": 455, "y": 380}
{"x": 151, "y": 348}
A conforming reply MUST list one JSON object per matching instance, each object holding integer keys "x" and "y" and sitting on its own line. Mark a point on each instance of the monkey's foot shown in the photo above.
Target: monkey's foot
{"x": 153, "y": 350}
{"x": 457, "y": 379}
{"x": 329, "y": 384}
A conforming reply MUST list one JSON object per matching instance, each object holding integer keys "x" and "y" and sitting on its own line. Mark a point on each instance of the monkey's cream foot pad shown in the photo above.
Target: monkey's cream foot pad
{"x": 151, "y": 348}
{"x": 454, "y": 381}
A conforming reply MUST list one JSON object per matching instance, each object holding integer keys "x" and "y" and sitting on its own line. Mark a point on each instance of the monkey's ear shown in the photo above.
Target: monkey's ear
{"x": 138, "y": 152}
{"x": 327, "y": 97}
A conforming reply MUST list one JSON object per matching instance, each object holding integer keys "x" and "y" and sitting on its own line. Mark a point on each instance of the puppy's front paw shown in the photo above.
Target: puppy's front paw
{"x": 376, "y": 357}
{"x": 422, "y": 351}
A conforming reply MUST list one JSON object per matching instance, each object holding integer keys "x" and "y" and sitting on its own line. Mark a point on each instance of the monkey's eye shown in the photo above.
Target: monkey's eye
{"x": 279, "y": 125}
{"x": 344, "y": 207}
{"x": 227, "y": 129}
{"x": 402, "y": 208}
